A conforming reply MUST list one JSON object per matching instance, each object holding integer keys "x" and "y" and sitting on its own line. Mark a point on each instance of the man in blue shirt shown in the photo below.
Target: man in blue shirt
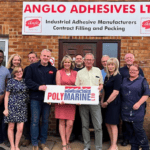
{"x": 4, "y": 76}
{"x": 124, "y": 71}
{"x": 37, "y": 77}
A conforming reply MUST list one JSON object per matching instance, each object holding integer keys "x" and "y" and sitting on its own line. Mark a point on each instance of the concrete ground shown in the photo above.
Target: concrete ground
{"x": 54, "y": 143}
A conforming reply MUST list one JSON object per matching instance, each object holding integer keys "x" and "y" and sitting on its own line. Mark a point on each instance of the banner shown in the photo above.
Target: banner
{"x": 72, "y": 94}
{"x": 86, "y": 18}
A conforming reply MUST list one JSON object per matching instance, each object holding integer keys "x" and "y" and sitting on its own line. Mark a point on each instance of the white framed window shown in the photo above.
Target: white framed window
{"x": 4, "y": 47}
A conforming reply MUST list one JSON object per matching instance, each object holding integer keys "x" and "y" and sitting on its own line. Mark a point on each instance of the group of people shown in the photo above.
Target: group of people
{"x": 123, "y": 93}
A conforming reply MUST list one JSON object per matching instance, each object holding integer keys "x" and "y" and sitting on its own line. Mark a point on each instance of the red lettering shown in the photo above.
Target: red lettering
{"x": 27, "y": 8}
{"x": 99, "y": 8}
{"x": 54, "y": 96}
{"x": 125, "y": 8}
{"x": 118, "y": 9}
{"x": 141, "y": 9}
{"x": 37, "y": 8}
{"x": 49, "y": 95}
{"x": 57, "y": 96}
{"x": 53, "y": 10}
{"x": 45, "y": 8}
{"x": 148, "y": 8}
{"x": 63, "y": 8}
{"x": 132, "y": 7}
{"x": 111, "y": 10}
{"x": 82, "y": 9}
{"x": 106, "y": 8}
{"x": 91, "y": 8}
{"x": 74, "y": 9}
{"x": 61, "y": 95}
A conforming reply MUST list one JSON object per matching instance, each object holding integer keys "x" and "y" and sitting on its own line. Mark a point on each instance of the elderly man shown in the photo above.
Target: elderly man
{"x": 90, "y": 76}
{"x": 4, "y": 76}
{"x": 32, "y": 57}
{"x": 37, "y": 77}
{"x": 124, "y": 71}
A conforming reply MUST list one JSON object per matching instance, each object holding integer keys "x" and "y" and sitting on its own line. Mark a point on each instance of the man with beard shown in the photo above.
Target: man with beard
{"x": 77, "y": 128}
{"x": 4, "y": 76}
{"x": 124, "y": 71}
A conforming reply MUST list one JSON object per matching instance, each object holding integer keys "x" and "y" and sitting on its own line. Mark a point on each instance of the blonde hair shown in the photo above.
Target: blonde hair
{"x": 114, "y": 61}
{"x": 67, "y": 57}
{"x": 16, "y": 70}
{"x": 9, "y": 65}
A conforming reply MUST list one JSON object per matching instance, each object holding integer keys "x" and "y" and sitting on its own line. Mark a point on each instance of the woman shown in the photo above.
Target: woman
{"x": 135, "y": 91}
{"x": 65, "y": 112}
{"x": 14, "y": 61}
{"x": 16, "y": 98}
{"x": 111, "y": 100}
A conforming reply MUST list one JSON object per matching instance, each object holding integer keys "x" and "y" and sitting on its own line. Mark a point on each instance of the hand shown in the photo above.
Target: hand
{"x": 78, "y": 104}
{"x": 49, "y": 103}
{"x": 104, "y": 105}
{"x": 42, "y": 88}
{"x": 136, "y": 106}
{"x": 62, "y": 102}
{"x": 5, "y": 112}
{"x": 100, "y": 87}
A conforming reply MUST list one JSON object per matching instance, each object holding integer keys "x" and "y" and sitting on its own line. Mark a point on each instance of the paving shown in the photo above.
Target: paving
{"x": 54, "y": 143}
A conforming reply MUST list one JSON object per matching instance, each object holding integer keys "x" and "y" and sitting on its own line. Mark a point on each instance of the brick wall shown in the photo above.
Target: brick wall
{"x": 11, "y": 27}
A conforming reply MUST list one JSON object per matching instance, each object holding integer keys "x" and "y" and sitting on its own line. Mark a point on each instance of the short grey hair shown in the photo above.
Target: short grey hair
{"x": 89, "y": 54}
{"x": 127, "y": 54}
{"x": 45, "y": 50}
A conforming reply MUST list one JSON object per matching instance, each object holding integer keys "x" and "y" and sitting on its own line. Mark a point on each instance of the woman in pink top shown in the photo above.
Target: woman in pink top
{"x": 65, "y": 112}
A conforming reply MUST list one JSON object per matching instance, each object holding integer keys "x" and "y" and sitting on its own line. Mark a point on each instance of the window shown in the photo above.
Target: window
{"x": 4, "y": 47}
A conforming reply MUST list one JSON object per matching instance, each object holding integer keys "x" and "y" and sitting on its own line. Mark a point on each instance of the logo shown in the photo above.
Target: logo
{"x": 146, "y": 24}
{"x": 51, "y": 72}
{"x": 33, "y": 23}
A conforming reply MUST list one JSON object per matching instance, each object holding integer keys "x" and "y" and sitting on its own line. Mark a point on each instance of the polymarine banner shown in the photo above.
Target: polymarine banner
{"x": 86, "y": 18}
{"x": 72, "y": 94}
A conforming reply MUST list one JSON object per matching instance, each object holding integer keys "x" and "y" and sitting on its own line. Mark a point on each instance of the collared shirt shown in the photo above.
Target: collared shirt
{"x": 124, "y": 71}
{"x": 77, "y": 69}
{"x": 92, "y": 77}
{"x": 103, "y": 74}
{"x": 131, "y": 92}
{"x": 4, "y": 74}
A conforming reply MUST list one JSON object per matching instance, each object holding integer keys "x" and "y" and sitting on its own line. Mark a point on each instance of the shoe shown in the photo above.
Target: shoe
{"x": 64, "y": 146}
{"x": 68, "y": 146}
{"x": 35, "y": 148}
{"x": 6, "y": 143}
{"x": 72, "y": 137}
{"x": 125, "y": 143}
{"x": 87, "y": 149}
{"x": 80, "y": 138}
{"x": 26, "y": 143}
{"x": 43, "y": 147}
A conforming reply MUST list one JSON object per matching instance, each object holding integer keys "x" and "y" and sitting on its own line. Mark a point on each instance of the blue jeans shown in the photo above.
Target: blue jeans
{"x": 138, "y": 136}
{"x": 38, "y": 109}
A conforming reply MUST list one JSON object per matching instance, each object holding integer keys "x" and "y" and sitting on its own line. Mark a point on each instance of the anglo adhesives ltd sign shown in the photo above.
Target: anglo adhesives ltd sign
{"x": 86, "y": 18}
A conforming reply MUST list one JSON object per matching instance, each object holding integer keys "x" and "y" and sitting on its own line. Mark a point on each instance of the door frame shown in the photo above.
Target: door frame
{"x": 98, "y": 43}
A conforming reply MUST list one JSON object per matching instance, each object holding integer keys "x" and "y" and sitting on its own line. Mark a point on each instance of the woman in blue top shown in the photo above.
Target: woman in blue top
{"x": 135, "y": 91}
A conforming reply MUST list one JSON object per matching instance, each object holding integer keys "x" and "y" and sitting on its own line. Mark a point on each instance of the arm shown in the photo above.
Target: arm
{"x": 58, "y": 77}
{"x": 6, "y": 103}
{"x": 140, "y": 102}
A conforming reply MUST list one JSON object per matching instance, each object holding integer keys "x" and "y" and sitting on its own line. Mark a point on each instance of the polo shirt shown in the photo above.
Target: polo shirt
{"x": 103, "y": 74}
{"x": 92, "y": 77}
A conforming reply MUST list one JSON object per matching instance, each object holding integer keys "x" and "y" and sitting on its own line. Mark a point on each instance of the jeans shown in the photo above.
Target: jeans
{"x": 39, "y": 109}
{"x": 137, "y": 135}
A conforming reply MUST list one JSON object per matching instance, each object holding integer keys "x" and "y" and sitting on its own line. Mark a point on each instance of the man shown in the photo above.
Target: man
{"x": 32, "y": 57}
{"x": 77, "y": 127}
{"x": 124, "y": 71}
{"x": 4, "y": 76}
{"x": 104, "y": 129}
{"x": 78, "y": 63}
{"x": 37, "y": 77}
{"x": 90, "y": 76}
